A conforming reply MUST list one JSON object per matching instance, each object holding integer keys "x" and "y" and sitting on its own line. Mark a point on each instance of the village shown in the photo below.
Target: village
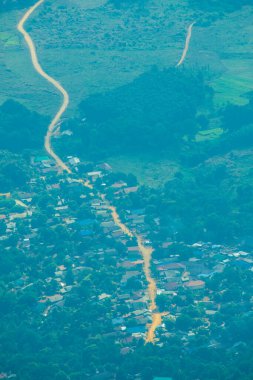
{"x": 193, "y": 293}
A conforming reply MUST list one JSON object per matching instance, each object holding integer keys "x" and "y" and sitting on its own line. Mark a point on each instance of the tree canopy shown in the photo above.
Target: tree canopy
{"x": 20, "y": 128}
{"x": 151, "y": 114}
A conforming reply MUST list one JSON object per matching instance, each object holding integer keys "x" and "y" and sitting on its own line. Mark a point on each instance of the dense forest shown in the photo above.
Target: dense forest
{"x": 21, "y": 132}
{"x": 238, "y": 126}
{"x": 160, "y": 113}
{"x": 152, "y": 114}
{"x": 20, "y": 128}
{"x": 208, "y": 203}
{"x": 14, "y": 171}
{"x": 210, "y": 197}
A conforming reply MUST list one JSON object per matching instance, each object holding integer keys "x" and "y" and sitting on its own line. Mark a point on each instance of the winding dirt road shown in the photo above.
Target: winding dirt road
{"x": 145, "y": 251}
{"x": 152, "y": 289}
{"x": 51, "y": 80}
{"x": 187, "y": 44}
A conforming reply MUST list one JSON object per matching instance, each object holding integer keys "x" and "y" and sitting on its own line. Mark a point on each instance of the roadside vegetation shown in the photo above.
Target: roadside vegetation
{"x": 154, "y": 114}
{"x": 74, "y": 301}
{"x": 20, "y": 128}
{"x": 168, "y": 115}
{"x": 8, "y": 5}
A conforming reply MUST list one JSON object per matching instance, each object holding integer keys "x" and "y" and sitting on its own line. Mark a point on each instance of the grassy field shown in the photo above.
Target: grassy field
{"x": 209, "y": 134}
{"x": 149, "y": 171}
{"x": 225, "y": 48}
{"x": 77, "y": 57}
{"x": 9, "y": 39}
{"x": 90, "y": 48}
{"x": 17, "y": 76}
{"x": 234, "y": 84}
{"x": 5, "y": 36}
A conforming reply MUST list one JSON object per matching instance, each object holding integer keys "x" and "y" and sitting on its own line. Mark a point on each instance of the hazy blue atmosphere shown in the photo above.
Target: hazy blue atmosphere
{"x": 126, "y": 190}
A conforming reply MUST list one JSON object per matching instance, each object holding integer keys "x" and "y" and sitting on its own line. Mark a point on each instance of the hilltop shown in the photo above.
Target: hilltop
{"x": 126, "y": 238}
{"x": 83, "y": 42}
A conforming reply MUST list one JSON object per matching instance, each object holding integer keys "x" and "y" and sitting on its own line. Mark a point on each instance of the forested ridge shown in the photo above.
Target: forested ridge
{"x": 20, "y": 128}
{"x": 151, "y": 114}
{"x": 74, "y": 302}
{"x": 21, "y": 133}
{"x": 160, "y": 114}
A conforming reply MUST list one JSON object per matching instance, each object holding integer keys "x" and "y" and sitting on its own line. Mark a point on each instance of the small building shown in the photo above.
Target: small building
{"x": 55, "y": 298}
{"x": 132, "y": 189}
{"x": 94, "y": 175}
{"x": 74, "y": 161}
{"x": 195, "y": 285}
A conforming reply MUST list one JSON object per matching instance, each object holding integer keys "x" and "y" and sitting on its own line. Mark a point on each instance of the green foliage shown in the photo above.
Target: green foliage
{"x": 151, "y": 114}
{"x": 19, "y": 128}
{"x": 237, "y": 123}
{"x": 14, "y": 171}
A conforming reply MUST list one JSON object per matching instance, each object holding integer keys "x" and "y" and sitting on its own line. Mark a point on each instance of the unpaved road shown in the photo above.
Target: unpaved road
{"x": 145, "y": 251}
{"x": 54, "y": 82}
{"x": 187, "y": 44}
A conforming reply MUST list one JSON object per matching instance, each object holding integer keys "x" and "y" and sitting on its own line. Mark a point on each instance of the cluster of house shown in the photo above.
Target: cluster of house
{"x": 175, "y": 274}
{"x": 188, "y": 278}
{"x": 130, "y": 311}
{"x": 14, "y": 209}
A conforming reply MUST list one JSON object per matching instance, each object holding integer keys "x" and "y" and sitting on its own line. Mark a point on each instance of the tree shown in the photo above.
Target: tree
{"x": 184, "y": 322}
{"x": 17, "y": 125}
{"x": 152, "y": 114}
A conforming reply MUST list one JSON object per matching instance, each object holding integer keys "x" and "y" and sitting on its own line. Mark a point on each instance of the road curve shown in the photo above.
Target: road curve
{"x": 187, "y": 44}
{"x": 51, "y": 80}
{"x": 146, "y": 251}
